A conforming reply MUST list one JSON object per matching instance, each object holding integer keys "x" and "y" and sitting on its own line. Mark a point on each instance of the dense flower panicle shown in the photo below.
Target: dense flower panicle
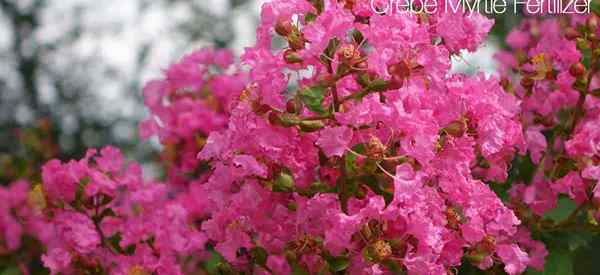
{"x": 351, "y": 149}
{"x": 19, "y": 217}
{"x": 192, "y": 100}
{"x": 558, "y": 111}
{"x": 113, "y": 221}
{"x": 363, "y": 104}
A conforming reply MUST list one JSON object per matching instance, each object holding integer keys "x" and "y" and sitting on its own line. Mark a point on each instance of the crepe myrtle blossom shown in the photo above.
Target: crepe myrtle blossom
{"x": 191, "y": 100}
{"x": 350, "y": 149}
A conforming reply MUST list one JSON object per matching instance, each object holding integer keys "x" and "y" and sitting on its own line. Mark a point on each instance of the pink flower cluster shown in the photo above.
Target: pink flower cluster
{"x": 350, "y": 149}
{"x": 560, "y": 110}
{"x": 103, "y": 216}
{"x": 191, "y": 101}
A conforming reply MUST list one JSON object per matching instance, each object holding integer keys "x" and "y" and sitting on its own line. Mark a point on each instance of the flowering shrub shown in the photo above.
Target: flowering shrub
{"x": 351, "y": 149}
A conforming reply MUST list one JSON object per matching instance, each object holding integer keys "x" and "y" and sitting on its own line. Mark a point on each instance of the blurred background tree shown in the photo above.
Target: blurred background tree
{"x": 73, "y": 69}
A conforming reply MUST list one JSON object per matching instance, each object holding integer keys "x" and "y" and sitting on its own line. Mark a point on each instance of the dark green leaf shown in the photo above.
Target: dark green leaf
{"x": 376, "y": 187}
{"x": 337, "y": 264}
{"x": 357, "y": 36}
{"x": 558, "y": 262}
{"x": 310, "y": 17}
{"x": 378, "y": 85}
{"x": 108, "y": 212}
{"x": 586, "y": 258}
{"x": 563, "y": 209}
{"x": 394, "y": 267}
{"x": 595, "y": 7}
{"x": 318, "y": 4}
{"x": 259, "y": 255}
{"x": 313, "y": 98}
{"x": 329, "y": 52}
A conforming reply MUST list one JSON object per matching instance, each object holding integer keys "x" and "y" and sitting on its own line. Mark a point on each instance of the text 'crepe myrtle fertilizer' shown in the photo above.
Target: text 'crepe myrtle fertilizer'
{"x": 351, "y": 149}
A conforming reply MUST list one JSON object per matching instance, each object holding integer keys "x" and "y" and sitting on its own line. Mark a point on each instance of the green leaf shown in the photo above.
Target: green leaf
{"x": 558, "y": 262}
{"x": 313, "y": 98}
{"x": 357, "y": 36}
{"x": 107, "y": 212}
{"x": 394, "y": 267}
{"x": 259, "y": 255}
{"x": 346, "y": 188}
{"x": 337, "y": 264}
{"x": 522, "y": 169}
{"x": 297, "y": 269}
{"x": 562, "y": 211}
{"x": 376, "y": 187}
{"x": 114, "y": 241}
{"x": 318, "y": 187}
{"x": 329, "y": 52}
{"x": 214, "y": 263}
{"x": 13, "y": 270}
{"x": 586, "y": 258}
{"x": 378, "y": 85}
{"x": 310, "y": 17}
{"x": 595, "y": 7}
{"x": 351, "y": 168}
{"x": 318, "y": 4}
{"x": 311, "y": 126}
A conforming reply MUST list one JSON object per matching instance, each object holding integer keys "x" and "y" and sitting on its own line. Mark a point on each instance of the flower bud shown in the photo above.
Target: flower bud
{"x": 348, "y": 53}
{"x": 401, "y": 70}
{"x": 327, "y": 80}
{"x": 260, "y": 109}
{"x": 396, "y": 83}
{"x": 577, "y": 70}
{"x": 456, "y": 128}
{"x": 284, "y": 183}
{"x": 592, "y": 23}
{"x": 505, "y": 83}
{"x": 582, "y": 44}
{"x": 488, "y": 244}
{"x": 291, "y": 57}
{"x": 275, "y": 118}
{"x": 475, "y": 257}
{"x": 284, "y": 27}
{"x": 571, "y": 33}
{"x": 399, "y": 247}
{"x": 296, "y": 41}
{"x": 527, "y": 82}
{"x": 361, "y": 66}
{"x": 311, "y": 126}
{"x": 348, "y": 4}
{"x": 292, "y": 106}
{"x": 363, "y": 79}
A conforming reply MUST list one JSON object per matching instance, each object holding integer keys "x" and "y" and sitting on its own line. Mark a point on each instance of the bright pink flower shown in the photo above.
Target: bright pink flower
{"x": 540, "y": 197}
{"x": 57, "y": 260}
{"x": 536, "y": 144}
{"x": 78, "y": 231}
{"x": 334, "y": 141}
{"x": 573, "y": 186}
{"x": 60, "y": 183}
{"x": 278, "y": 265}
{"x": 515, "y": 260}
{"x": 518, "y": 39}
